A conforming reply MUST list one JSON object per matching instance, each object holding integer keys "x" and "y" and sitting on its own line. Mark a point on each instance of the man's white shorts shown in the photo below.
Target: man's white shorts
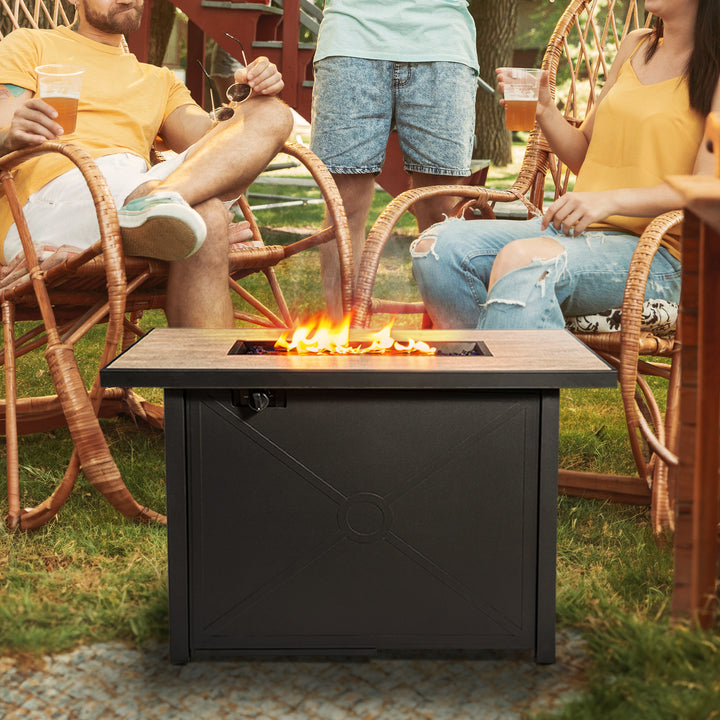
{"x": 63, "y": 213}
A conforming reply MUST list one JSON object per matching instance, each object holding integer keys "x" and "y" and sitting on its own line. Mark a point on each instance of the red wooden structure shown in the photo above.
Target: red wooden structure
{"x": 265, "y": 27}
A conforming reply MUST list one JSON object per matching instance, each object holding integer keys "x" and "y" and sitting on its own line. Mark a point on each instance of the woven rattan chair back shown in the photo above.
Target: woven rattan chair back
{"x": 64, "y": 293}
{"x": 33, "y": 14}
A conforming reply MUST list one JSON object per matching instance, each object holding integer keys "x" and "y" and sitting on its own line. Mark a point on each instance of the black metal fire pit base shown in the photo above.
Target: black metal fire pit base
{"x": 312, "y": 513}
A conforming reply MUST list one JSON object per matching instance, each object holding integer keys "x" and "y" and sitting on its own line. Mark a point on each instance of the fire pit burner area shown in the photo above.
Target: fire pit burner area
{"x": 336, "y": 504}
{"x": 442, "y": 349}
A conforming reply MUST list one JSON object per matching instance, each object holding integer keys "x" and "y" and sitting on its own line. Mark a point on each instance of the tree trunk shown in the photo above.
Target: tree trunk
{"x": 161, "y": 24}
{"x": 496, "y": 22}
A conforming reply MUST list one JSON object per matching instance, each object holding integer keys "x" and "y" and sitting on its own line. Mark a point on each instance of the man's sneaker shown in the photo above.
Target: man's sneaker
{"x": 162, "y": 226}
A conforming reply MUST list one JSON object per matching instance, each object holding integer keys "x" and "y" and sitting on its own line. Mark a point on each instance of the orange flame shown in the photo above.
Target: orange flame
{"x": 320, "y": 336}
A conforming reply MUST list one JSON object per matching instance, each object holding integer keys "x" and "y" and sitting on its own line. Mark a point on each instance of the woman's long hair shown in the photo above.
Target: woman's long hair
{"x": 703, "y": 70}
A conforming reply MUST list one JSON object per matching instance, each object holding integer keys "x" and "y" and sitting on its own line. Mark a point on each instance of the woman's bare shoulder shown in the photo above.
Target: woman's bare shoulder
{"x": 632, "y": 40}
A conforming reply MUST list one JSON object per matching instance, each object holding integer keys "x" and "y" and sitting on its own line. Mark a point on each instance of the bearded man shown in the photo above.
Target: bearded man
{"x": 174, "y": 211}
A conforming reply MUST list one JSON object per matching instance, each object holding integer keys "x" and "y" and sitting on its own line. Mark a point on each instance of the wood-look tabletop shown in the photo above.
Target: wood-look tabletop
{"x": 701, "y": 194}
{"x": 190, "y": 358}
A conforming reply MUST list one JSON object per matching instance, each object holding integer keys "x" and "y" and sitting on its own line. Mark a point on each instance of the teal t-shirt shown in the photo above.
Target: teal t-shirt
{"x": 398, "y": 30}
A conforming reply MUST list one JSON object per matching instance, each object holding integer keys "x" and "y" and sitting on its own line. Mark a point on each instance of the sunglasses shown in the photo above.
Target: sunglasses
{"x": 236, "y": 93}
{"x": 239, "y": 92}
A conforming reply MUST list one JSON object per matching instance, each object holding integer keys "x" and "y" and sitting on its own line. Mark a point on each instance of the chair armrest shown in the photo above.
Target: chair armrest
{"x": 109, "y": 245}
{"x": 642, "y": 258}
{"x": 630, "y": 343}
{"x": 324, "y": 180}
{"x": 381, "y": 230}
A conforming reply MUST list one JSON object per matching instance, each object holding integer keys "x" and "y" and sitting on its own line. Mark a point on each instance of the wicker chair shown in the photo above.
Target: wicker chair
{"x": 64, "y": 293}
{"x": 578, "y": 56}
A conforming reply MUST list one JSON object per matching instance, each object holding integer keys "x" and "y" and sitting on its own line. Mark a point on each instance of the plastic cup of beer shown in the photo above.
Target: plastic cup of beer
{"x": 59, "y": 86}
{"x": 521, "y": 86}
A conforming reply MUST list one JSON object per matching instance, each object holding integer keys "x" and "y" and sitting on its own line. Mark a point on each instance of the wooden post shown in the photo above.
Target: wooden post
{"x": 290, "y": 39}
{"x": 194, "y": 78}
{"x": 698, "y": 482}
{"x": 707, "y": 457}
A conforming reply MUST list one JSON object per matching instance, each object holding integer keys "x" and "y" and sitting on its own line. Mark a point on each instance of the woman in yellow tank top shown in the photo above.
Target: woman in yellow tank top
{"x": 647, "y": 124}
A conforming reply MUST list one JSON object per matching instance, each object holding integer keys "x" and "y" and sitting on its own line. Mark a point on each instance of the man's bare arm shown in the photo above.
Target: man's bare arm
{"x": 184, "y": 126}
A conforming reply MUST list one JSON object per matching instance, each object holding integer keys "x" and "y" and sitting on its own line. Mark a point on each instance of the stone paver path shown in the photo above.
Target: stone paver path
{"x": 105, "y": 682}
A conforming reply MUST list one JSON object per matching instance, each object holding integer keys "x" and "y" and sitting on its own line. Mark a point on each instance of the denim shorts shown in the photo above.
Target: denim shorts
{"x": 356, "y": 102}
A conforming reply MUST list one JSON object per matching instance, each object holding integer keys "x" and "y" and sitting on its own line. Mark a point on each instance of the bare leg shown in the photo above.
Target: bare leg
{"x": 519, "y": 253}
{"x": 357, "y": 193}
{"x": 433, "y": 210}
{"x": 224, "y": 162}
{"x": 198, "y": 293}
{"x": 221, "y": 165}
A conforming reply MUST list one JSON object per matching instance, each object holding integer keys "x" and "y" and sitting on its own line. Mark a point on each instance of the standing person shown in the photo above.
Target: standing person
{"x": 409, "y": 64}
{"x": 174, "y": 211}
{"x": 647, "y": 124}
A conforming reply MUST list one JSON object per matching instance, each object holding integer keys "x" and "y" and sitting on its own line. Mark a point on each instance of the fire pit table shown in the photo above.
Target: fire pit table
{"x": 333, "y": 504}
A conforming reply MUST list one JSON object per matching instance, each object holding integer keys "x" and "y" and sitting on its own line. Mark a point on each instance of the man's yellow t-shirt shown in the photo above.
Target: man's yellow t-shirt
{"x": 123, "y": 103}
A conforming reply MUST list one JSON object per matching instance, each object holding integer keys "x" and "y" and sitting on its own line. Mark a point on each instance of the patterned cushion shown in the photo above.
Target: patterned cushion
{"x": 658, "y": 317}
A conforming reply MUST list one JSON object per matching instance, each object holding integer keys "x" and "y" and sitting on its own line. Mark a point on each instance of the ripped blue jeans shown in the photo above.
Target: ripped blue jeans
{"x": 453, "y": 259}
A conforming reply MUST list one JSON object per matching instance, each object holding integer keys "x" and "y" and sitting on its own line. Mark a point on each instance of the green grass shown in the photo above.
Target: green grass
{"x": 90, "y": 575}
{"x": 615, "y": 584}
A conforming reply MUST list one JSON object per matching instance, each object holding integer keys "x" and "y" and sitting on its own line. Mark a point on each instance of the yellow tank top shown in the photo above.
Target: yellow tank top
{"x": 642, "y": 134}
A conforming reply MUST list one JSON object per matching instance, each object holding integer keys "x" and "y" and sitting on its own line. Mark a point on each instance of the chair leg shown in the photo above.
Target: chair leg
{"x": 33, "y": 518}
{"x": 11, "y": 431}
{"x": 91, "y": 451}
{"x": 27, "y": 519}
{"x": 94, "y": 453}
{"x": 663, "y": 505}
{"x": 628, "y": 489}
{"x": 645, "y": 424}
{"x": 278, "y": 295}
